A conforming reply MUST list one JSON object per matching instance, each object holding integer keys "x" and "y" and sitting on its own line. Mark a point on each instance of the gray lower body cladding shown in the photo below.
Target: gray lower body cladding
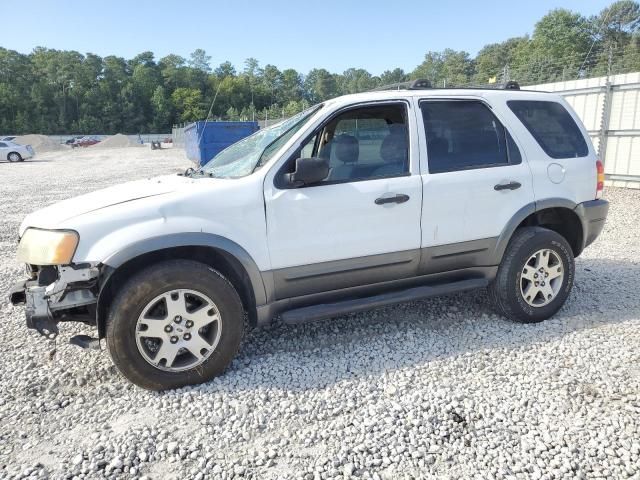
{"x": 335, "y": 275}
{"x": 343, "y": 280}
{"x": 485, "y": 274}
{"x": 593, "y": 215}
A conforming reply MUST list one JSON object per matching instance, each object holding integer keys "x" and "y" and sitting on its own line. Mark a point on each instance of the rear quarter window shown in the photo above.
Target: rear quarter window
{"x": 552, "y": 126}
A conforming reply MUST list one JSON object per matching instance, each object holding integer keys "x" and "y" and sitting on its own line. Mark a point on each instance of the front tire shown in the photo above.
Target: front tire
{"x": 175, "y": 323}
{"x": 535, "y": 277}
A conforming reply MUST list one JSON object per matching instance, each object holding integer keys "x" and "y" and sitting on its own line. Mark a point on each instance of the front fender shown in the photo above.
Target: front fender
{"x": 193, "y": 239}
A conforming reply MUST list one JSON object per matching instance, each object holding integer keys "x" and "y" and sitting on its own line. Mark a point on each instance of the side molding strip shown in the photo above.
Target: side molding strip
{"x": 325, "y": 276}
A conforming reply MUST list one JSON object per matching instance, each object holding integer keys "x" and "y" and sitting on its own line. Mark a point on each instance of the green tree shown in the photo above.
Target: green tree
{"x": 446, "y": 68}
{"x": 617, "y": 23}
{"x": 252, "y": 67}
{"x": 272, "y": 83}
{"x": 356, "y": 80}
{"x": 188, "y": 104}
{"x": 493, "y": 61}
{"x": 562, "y": 34}
{"x": 200, "y": 60}
{"x": 292, "y": 86}
{"x": 396, "y": 75}
{"x": 56, "y": 91}
{"x": 162, "y": 110}
{"x": 225, "y": 69}
{"x": 144, "y": 58}
{"x": 320, "y": 85}
{"x": 558, "y": 48}
{"x": 173, "y": 71}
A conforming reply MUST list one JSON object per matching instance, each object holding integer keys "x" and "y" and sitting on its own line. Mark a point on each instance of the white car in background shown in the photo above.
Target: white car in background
{"x": 14, "y": 152}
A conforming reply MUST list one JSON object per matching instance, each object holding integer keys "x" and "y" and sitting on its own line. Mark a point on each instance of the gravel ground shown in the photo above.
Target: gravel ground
{"x": 435, "y": 389}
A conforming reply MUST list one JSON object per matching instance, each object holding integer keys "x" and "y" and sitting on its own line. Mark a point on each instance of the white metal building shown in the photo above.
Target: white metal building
{"x": 609, "y": 108}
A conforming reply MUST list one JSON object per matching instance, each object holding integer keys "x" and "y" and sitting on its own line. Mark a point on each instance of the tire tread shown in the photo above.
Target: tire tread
{"x": 500, "y": 288}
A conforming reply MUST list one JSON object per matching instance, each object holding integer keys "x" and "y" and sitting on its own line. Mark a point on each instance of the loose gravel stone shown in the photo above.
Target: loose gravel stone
{"x": 437, "y": 389}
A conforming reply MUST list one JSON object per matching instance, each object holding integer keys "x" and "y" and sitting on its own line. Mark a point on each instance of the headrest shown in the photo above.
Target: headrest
{"x": 394, "y": 146}
{"x": 346, "y": 148}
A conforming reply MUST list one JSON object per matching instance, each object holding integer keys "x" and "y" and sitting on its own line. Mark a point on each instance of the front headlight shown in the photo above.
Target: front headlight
{"x": 47, "y": 247}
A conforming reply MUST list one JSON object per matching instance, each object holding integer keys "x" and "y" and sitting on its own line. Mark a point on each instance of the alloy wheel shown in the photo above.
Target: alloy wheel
{"x": 541, "y": 278}
{"x": 178, "y": 330}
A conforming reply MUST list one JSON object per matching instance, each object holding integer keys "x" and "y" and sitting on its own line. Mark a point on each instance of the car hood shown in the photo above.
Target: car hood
{"x": 52, "y": 216}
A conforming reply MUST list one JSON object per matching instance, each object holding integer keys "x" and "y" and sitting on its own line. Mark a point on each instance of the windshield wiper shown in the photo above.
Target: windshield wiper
{"x": 192, "y": 172}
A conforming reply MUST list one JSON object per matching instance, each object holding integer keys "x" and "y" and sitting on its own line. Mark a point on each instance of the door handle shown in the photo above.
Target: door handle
{"x": 507, "y": 186}
{"x": 399, "y": 198}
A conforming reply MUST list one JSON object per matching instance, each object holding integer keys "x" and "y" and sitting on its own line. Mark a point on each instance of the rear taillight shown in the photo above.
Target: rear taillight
{"x": 600, "y": 179}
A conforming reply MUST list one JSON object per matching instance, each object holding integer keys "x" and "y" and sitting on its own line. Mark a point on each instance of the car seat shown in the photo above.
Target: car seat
{"x": 347, "y": 150}
{"x": 394, "y": 153}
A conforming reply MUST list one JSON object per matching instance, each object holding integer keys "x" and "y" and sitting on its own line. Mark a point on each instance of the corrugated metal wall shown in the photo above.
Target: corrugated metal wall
{"x": 608, "y": 106}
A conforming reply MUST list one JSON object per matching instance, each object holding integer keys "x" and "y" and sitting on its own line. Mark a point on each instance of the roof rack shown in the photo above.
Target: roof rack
{"x": 424, "y": 84}
{"x": 419, "y": 84}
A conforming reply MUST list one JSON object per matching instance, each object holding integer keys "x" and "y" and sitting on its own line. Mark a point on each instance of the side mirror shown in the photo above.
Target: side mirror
{"x": 308, "y": 171}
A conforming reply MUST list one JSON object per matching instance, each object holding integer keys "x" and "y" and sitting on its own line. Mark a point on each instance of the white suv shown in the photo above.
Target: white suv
{"x": 362, "y": 201}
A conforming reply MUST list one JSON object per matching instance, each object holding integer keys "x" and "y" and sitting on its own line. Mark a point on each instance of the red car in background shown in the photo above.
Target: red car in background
{"x": 84, "y": 142}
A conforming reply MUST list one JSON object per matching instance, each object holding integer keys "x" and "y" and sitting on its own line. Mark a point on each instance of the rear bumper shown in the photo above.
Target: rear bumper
{"x": 592, "y": 214}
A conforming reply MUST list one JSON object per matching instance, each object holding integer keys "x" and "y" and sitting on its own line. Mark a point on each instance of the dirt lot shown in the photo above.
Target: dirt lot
{"x": 435, "y": 389}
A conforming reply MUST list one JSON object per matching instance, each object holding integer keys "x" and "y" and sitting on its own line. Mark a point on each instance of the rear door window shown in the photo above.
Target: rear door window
{"x": 552, "y": 126}
{"x": 465, "y": 134}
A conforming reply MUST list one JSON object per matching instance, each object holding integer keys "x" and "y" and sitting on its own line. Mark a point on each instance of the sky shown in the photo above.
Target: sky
{"x": 332, "y": 34}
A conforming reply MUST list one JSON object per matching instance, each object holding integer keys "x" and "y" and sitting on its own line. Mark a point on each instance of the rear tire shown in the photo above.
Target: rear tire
{"x": 190, "y": 282}
{"x": 535, "y": 277}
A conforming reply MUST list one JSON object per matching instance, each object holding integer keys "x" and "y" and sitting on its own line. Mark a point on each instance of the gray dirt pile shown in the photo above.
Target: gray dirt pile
{"x": 117, "y": 141}
{"x": 40, "y": 143}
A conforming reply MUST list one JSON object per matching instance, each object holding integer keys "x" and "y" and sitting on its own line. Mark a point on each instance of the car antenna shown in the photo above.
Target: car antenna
{"x": 205, "y": 120}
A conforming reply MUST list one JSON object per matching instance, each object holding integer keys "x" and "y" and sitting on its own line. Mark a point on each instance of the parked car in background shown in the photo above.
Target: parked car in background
{"x": 73, "y": 140}
{"x": 14, "y": 152}
{"x": 85, "y": 142}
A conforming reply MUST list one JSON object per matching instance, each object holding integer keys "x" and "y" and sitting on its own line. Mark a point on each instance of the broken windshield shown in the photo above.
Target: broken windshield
{"x": 244, "y": 157}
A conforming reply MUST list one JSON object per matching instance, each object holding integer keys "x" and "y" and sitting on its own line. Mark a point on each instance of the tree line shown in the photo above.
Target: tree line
{"x": 51, "y": 91}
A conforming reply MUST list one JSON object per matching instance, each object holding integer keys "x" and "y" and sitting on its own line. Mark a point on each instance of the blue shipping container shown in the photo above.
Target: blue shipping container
{"x": 204, "y": 140}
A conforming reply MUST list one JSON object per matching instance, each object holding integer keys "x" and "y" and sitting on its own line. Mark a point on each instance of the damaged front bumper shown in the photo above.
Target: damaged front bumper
{"x": 57, "y": 294}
